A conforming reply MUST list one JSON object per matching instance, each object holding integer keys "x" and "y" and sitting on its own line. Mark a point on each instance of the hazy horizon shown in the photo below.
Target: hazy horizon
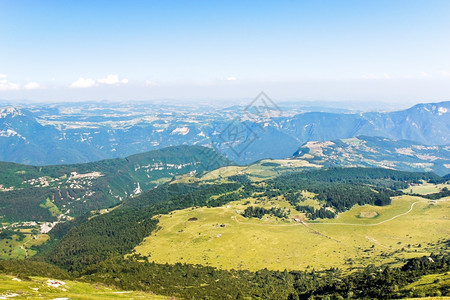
{"x": 383, "y": 51}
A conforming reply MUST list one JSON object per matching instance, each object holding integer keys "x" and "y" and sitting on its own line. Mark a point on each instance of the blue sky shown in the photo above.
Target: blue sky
{"x": 305, "y": 50}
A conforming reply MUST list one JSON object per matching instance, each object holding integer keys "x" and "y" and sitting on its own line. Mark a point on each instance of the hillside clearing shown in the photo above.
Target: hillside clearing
{"x": 17, "y": 248}
{"x": 426, "y": 188}
{"x": 45, "y": 288}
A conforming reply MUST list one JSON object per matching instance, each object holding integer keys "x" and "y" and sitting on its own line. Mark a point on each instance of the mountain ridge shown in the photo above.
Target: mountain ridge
{"x": 29, "y": 192}
{"x": 74, "y": 134}
{"x": 368, "y": 151}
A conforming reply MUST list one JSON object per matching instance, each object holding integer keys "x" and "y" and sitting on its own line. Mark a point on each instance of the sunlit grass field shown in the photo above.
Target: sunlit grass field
{"x": 426, "y": 188}
{"x": 40, "y": 288}
{"x": 429, "y": 284}
{"x": 263, "y": 169}
{"x": 221, "y": 237}
{"x": 19, "y": 249}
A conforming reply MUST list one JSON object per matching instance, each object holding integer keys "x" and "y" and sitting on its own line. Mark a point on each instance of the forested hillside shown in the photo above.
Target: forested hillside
{"x": 119, "y": 231}
{"x": 43, "y": 193}
{"x": 100, "y": 248}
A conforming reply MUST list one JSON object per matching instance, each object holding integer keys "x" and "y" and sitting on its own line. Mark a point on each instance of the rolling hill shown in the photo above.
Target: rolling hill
{"x": 336, "y": 189}
{"x": 48, "y": 193}
{"x": 274, "y": 238}
{"x": 256, "y": 234}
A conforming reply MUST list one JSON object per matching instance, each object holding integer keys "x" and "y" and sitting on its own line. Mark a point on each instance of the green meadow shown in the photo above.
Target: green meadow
{"x": 221, "y": 237}
{"x": 263, "y": 169}
{"x": 44, "y": 288}
{"x": 429, "y": 284}
{"x": 426, "y": 188}
{"x": 17, "y": 248}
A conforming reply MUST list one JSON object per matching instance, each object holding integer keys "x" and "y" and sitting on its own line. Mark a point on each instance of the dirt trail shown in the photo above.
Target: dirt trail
{"x": 374, "y": 224}
{"x": 307, "y": 224}
{"x": 382, "y": 222}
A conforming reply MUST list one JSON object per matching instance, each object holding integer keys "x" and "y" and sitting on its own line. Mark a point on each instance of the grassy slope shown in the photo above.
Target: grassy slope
{"x": 263, "y": 169}
{"x": 429, "y": 283}
{"x": 276, "y": 244}
{"x": 426, "y": 188}
{"x": 21, "y": 249}
{"x": 37, "y": 287}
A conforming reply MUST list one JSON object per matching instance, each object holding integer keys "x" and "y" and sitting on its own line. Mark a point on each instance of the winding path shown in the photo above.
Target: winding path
{"x": 346, "y": 224}
{"x": 379, "y": 223}
{"x": 374, "y": 224}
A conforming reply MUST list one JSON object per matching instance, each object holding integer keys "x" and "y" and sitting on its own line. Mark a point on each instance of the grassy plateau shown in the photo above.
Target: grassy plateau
{"x": 223, "y": 238}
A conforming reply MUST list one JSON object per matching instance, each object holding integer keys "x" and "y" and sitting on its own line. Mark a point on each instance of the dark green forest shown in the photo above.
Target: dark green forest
{"x": 259, "y": 212}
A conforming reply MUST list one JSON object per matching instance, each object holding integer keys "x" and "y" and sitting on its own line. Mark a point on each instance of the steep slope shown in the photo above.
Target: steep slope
{"x": 377, "y": 152}
{"x": 30, "y": 193}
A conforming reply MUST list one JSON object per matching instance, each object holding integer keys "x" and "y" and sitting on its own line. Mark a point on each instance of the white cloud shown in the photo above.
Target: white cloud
{"x": 6, "y": 85}
{"x": 32, "y": 86}
{"x": 445, "y": 73}
{"x": 110, "y": 79}
{"x": 83, "y": 83}
{"x": 150, "y": 83}
{"x": 113, "y": 79}
{"x": 231, "y": 78}
{"x": 425, "y": 74}
{"x": 369, "y": 76}
{"x": 385, "y": 75}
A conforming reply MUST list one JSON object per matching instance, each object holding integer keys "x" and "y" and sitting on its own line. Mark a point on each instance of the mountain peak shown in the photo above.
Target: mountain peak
{"x": 10, "y": 111}
{"x": 440, "y": 108}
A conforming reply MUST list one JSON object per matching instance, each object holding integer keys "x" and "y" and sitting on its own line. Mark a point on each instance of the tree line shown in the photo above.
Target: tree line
{"x": 136, "y": 273}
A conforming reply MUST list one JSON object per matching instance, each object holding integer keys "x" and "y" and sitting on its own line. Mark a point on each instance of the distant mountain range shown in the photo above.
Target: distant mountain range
{"x": 364, "y": 151}
{"x": 75, "y": 133}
